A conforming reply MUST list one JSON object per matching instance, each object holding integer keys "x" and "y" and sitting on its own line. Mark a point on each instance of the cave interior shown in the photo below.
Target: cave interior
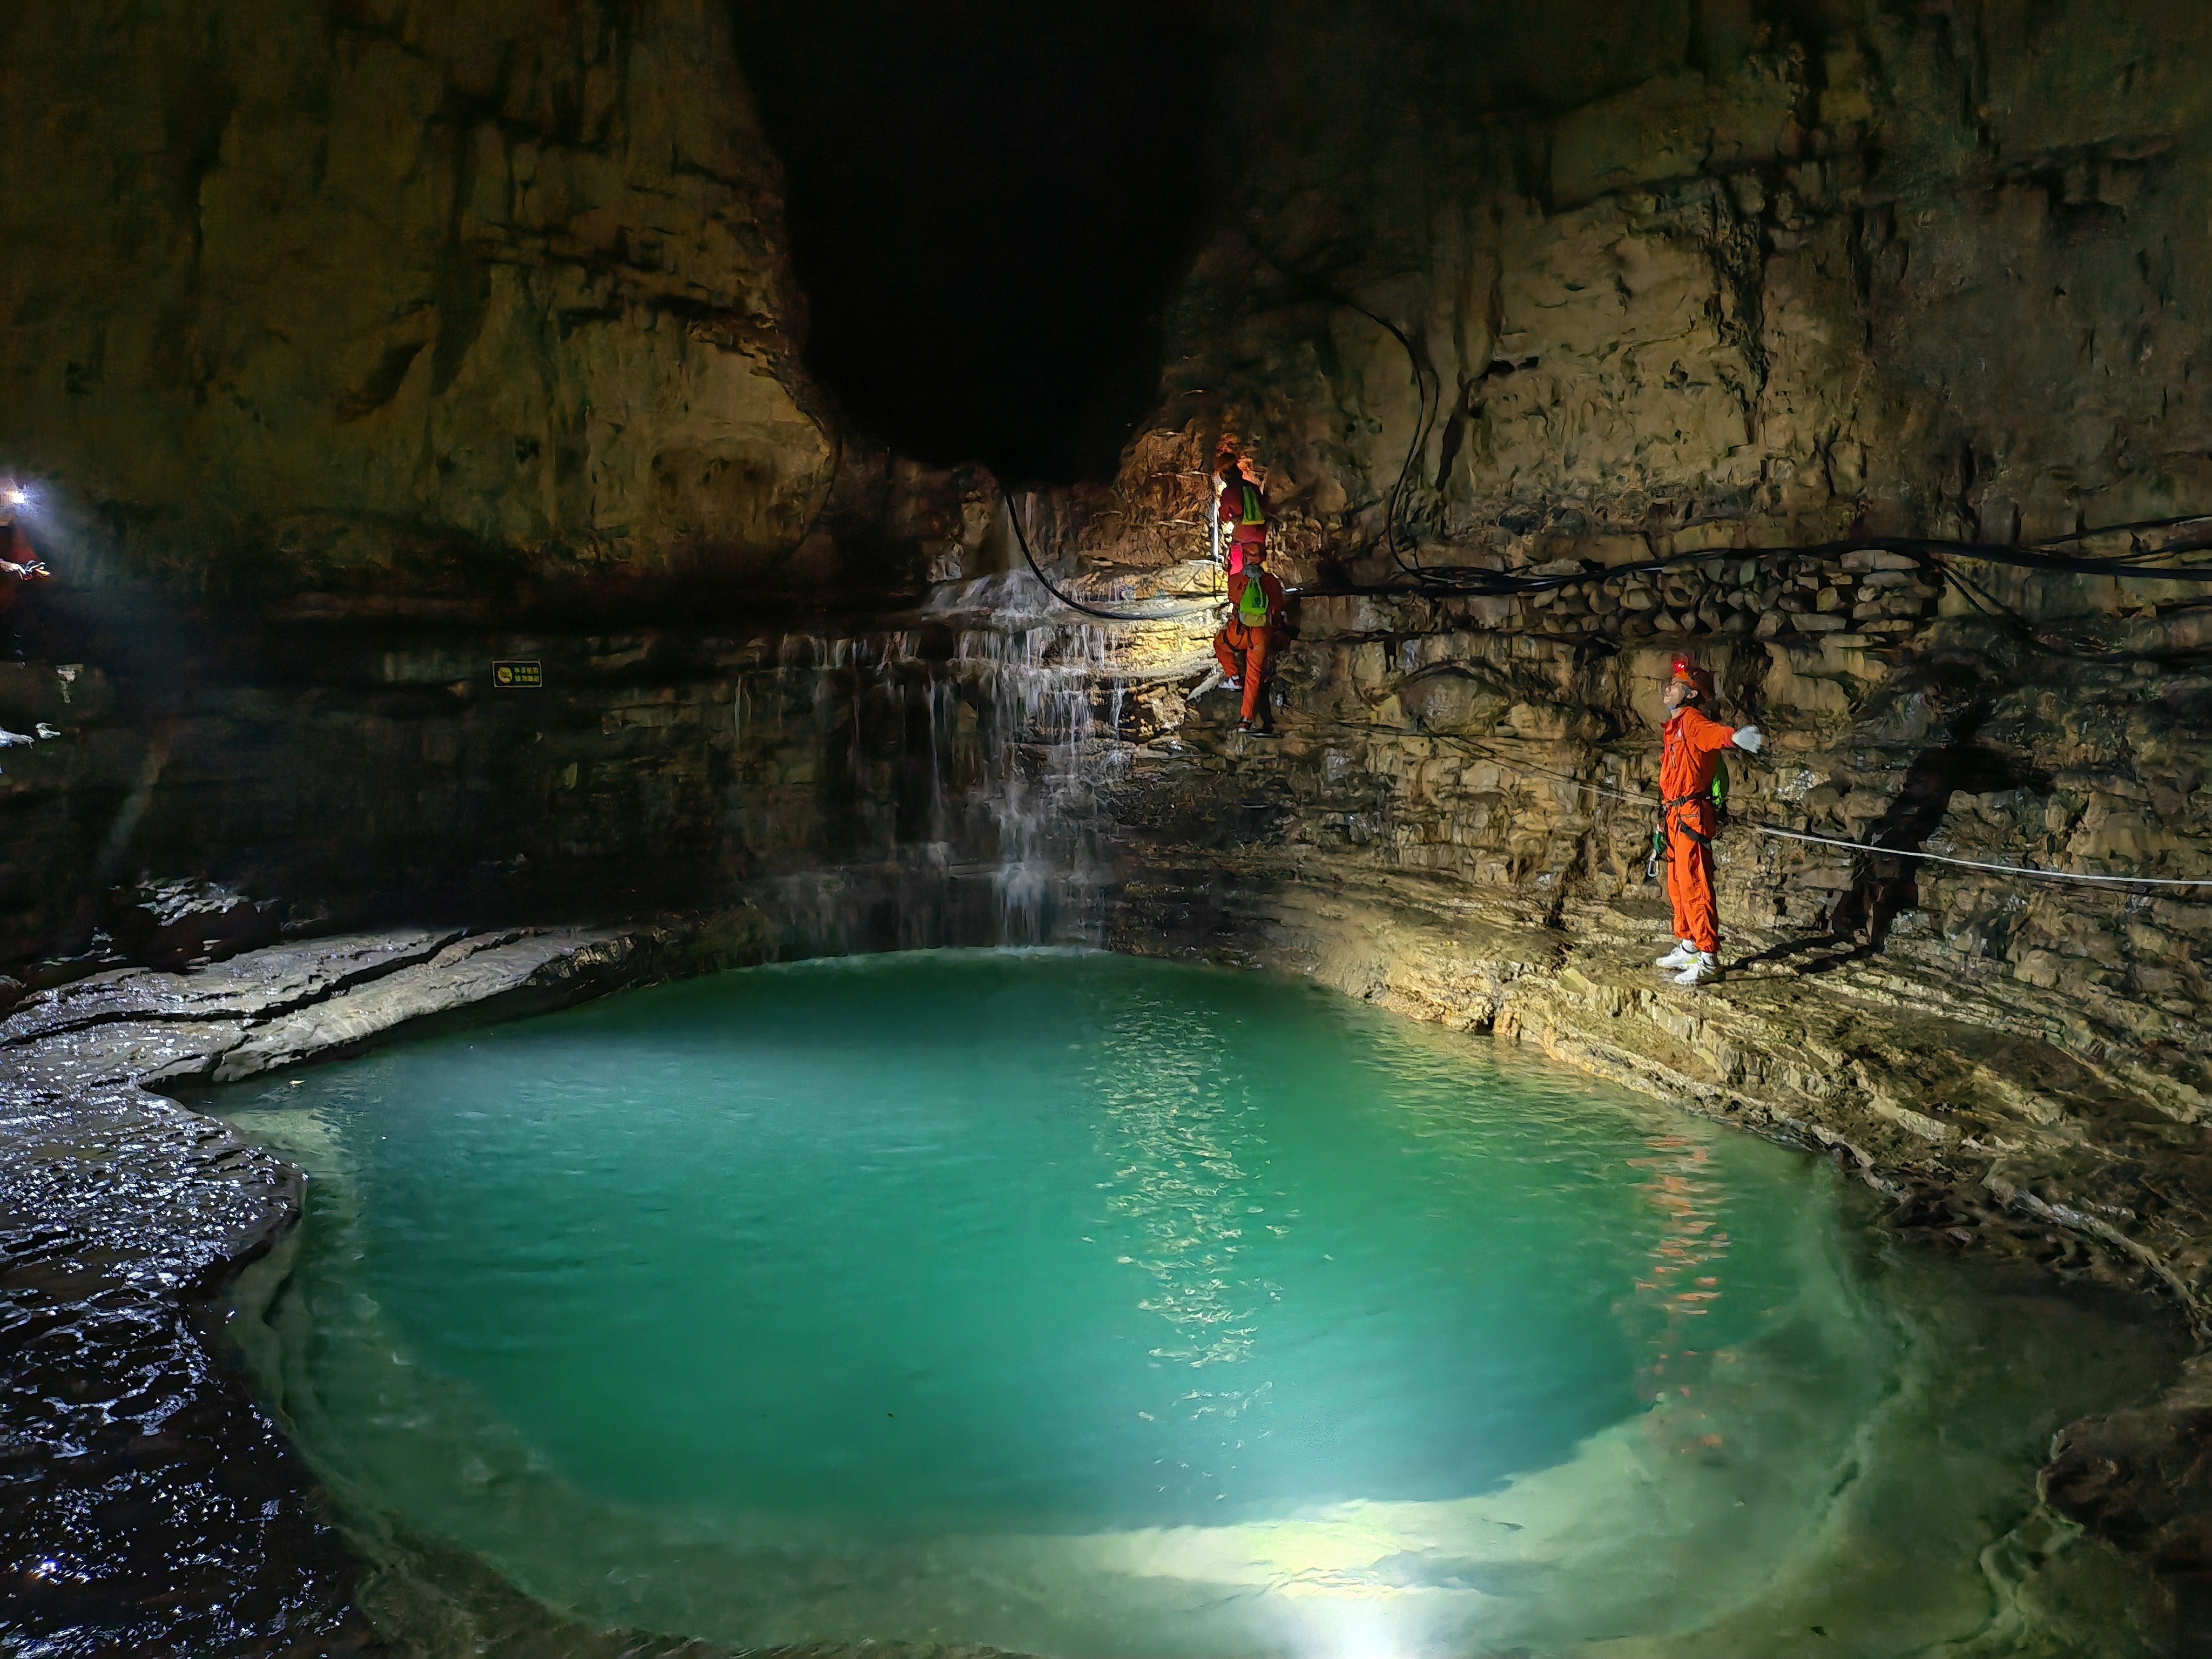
{"x": 515, "y": 503}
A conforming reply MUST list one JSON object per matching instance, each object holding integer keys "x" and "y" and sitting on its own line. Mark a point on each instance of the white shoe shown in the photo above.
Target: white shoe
{"x": 1681, "y": 955}
{"x": 1232, "y": 684}
{"x": 1704, "y": 967}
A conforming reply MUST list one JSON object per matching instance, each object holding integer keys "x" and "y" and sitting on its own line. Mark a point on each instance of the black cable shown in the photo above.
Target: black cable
{"x": 2033, "y": 557}
{"x": 1075, "y": 604}
{"x": 1424, "y": 423}
{"x": 2130, "y": 527}
{"x": 1478, "y": 582}
{"x": 1426, "y": 412}
{"x": 1930, "y": 551}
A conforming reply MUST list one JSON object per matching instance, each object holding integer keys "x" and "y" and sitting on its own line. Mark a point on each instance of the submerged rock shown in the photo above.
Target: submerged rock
{"x": 2143, "y": 1479}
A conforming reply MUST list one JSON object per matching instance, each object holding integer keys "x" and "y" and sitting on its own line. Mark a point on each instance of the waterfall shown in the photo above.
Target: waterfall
{"x": 943, "y": 780}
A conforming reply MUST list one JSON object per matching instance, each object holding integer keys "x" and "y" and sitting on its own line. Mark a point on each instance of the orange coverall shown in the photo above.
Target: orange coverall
{"x": 1686, "y": 747}
{"x": 1252, "y": 644}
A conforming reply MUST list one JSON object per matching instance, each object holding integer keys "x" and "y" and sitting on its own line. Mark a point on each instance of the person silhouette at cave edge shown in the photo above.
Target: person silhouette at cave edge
{"x": 20, "y": 564}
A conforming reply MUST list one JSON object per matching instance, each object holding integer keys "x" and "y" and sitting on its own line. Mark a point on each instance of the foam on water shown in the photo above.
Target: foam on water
{"x": 1091, "y": 1307}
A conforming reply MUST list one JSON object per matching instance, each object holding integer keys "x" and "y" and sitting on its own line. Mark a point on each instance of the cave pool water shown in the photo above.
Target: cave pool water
{"x": 1085, "y": 1306}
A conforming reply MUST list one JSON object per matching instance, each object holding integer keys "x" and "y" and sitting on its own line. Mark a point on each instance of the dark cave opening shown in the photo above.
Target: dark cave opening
{"x": 989, "y": 204}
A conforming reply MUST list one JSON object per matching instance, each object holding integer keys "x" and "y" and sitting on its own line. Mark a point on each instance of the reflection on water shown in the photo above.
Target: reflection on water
{"x": 1090, "y": 1307}
{"x": 1173, "y": 1132}
{"x": 1686, "y": 1191}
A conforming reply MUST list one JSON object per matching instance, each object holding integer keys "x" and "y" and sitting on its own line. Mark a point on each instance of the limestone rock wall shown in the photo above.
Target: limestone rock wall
{"x": 906, "y": 784}
{"x": 1714, "y": 272}
{"x": 396, "y": 295}
{"x": 1712, "y": 281}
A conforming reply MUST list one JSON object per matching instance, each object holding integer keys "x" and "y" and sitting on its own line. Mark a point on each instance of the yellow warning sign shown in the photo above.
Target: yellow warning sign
{"x": 519, "y": 676}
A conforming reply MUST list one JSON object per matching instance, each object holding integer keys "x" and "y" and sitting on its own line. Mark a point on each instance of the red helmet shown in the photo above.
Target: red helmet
{"x": 1696, "y": 676}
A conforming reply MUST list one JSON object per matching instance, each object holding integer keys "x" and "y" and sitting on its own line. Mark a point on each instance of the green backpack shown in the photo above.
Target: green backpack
{"x": 1251, "y": 515}
{"x": 1252, "y": 604}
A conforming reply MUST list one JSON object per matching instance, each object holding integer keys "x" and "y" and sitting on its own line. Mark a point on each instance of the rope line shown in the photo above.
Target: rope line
{"x": 1757, "y": 828}
{"x": 1977, "y": 863}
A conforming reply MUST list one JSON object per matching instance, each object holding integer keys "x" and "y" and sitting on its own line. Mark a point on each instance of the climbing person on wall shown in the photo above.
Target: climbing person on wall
{"x": 1690, "y": 746}
{"x": 1252, "y": 633}
{"x": 1242, "y": 508}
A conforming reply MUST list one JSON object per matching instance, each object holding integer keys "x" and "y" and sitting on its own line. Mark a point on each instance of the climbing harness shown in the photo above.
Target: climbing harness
{"x": 1717, "y": 796}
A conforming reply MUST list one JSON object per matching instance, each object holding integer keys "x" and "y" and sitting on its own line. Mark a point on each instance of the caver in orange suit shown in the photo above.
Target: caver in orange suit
{"x": 1242, "y": 649}
{"x": 1687, "y": 746}
{"x": 1689, "y": 743}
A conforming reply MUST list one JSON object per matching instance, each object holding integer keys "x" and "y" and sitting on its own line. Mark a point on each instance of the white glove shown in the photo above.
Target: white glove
{"x": 1748, "y": 738}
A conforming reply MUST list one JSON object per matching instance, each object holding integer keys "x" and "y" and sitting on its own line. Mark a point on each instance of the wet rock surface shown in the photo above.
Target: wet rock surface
{"x": 2143, "y": 1479}
{"x": 147, "y": 1504}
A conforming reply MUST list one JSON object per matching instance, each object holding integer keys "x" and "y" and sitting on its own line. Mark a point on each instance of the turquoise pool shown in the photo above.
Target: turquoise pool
{"x": 1085, "y": 1306}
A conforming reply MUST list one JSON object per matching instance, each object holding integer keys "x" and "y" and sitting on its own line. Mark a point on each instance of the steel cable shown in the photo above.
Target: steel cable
{"x": 1774, "y": 832}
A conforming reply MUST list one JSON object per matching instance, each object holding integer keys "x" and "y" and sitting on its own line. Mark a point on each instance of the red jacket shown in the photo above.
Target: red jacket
{"x": 1687, "y": 744}
{"x": 15, "y": 548}
{"x": 1231, "y": 508}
